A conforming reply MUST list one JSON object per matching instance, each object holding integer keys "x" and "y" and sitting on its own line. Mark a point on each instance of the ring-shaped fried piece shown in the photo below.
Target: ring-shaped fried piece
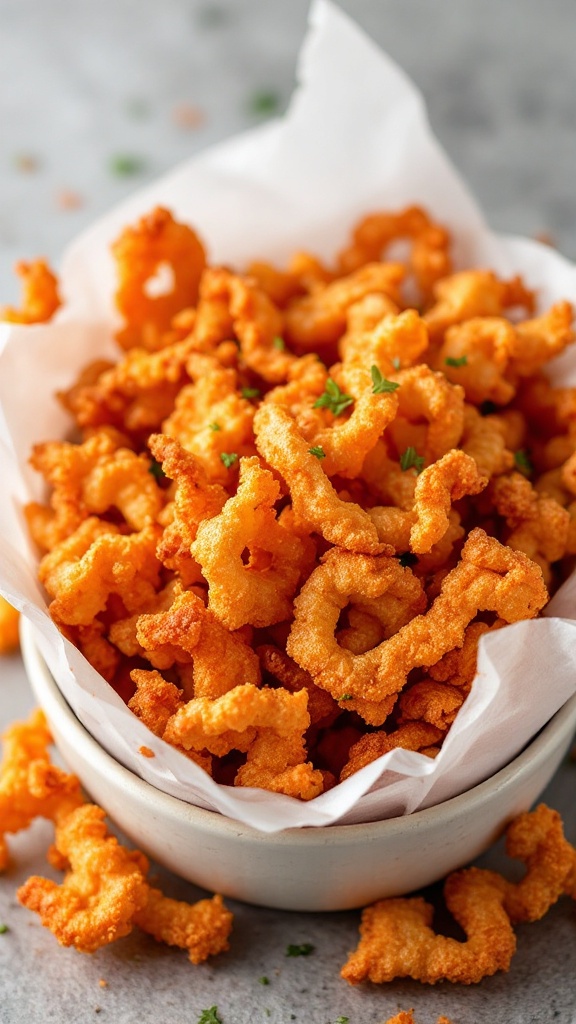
{"x": 252, "y": 563}
{"x": 489, "y": 577}
{"x": 156, "y": 241}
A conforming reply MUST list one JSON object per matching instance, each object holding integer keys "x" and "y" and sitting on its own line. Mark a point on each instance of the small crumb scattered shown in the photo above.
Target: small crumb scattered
{"x": 146, "y": 752}
{"x": 97, "y": 1009}
{"x": 67, "y": 199}
{"x": 103, "y": 983}
{"x": 124, "y": 165}
{"x": 304, "y": 949}
{"x": 26, "y": 163}
{"x": 186, "y": 115}
{"x": 545, "y": 238}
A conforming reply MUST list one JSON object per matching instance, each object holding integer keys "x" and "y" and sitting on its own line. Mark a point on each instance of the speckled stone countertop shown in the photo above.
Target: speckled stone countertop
{"x": 98, "y": 97}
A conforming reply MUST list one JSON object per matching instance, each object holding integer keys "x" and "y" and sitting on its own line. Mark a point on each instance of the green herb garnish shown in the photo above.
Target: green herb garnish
{"x": 346, "y": 696}
{"x": 333, "y": 399}
{"x": 453, "y": 361}
{"x": 264, "y": 980}
{"x": 250, "y": 392}
{"x": 156, "y": 470}
{"x": 263, "y": 102}
{"x": 124, "y": 165}
{"x": 318, "y": 451}
{"x": 396, "y": 362}
{"x": 209, "y": 1016}
{"x": 228, "y": 458}
{"x": 523, "y": 463}
{"x": 303, "y": 950}
{"x": 381, "y": 386}
{"x": 279, "y": 343}
{"x": 341, "y": 1020}
{"x": 3, "y": 929}
{"x": 214, "y": 426}
{"x": 411, "y": 460}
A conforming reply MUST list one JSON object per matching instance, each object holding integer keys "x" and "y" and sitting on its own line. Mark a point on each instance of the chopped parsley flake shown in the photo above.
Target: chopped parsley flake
{"x": 453, "y": 361}
{"x": 124, "y": 165}
{"x": 411, "y": 460}
{"x": 523, "y": 463}
{"x": 228, "y": 458}
{"x": 264, "y": 980}
{"x": 333, "y": 399}
{"x": 381, "y": 386}
{"x": 407, "y": 558}
{"x": 156, "y": 470}
{"x": 346, "y": 696}
{"x": 214, "y": 426}
{"x": 3, "y": 929}
{"x": 396, "y": 362}
{"x": 263, "y": 102}
{"x": 250, "y": 392}
{"x": 209, "y": 1016}
{"x": 279, "y": 343}
{"x": 318, "y": 451}
{"x": 341, "y": 1020}
{"x": 302, "y": 950}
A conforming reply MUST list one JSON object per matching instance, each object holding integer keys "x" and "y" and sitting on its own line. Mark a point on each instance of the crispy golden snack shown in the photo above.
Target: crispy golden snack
{"x": 102, "y": 890}
{"x": 417, "y": 736}
{"x": 251, "y": 561}
{"x": 157, "y": 242}
{"x": 40, "y": 298}
{"x": 201, "y": 928}
{"x": 30, "y": 785}
{"x": 9, "y": 622}
{"x": 397, "y": 939}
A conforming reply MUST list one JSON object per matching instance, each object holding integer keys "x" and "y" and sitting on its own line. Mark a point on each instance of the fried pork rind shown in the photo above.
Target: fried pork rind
{"x": 314, "y": 500}
{"x": 102, "y": 890}
{"x": 96, "y": 561}
{"x": 9, "y": 623}
{"x": 397, "y": 939}
{"x": 473, "y": 293}
{"x": 40, "y": 298}
{"x": 417, "y": 736}
{"x": 489, "y": 577}
{"x": 429, "y": 259}
{"x": 202, "y": 928}
{"x": 252, "y": 563}
{"x": 30, "y": 785}
{"x": 157, "y": 242}
{"x": 268, "y": 724}
{"x": 222, "y": 660}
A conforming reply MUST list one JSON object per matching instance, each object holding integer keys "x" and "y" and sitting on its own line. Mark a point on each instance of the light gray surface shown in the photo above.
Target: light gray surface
{"x": 83, "y": 82}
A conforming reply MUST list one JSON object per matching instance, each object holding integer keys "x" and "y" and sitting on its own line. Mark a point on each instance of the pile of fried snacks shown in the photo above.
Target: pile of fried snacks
{"x": 105, "y": 891}
{"x": 300, "y": 497}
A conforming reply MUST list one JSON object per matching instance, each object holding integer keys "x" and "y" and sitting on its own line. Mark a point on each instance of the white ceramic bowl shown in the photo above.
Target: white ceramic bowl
{"x": 332, "y": 868}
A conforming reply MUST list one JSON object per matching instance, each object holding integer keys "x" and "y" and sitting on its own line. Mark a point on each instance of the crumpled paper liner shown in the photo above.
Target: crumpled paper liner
{"x": 355, "y": 139}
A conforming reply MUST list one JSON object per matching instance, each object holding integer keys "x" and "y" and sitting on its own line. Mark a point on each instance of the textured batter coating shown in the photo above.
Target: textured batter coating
{"x": 201, "y": 928}
{"x": 40, "y": 298}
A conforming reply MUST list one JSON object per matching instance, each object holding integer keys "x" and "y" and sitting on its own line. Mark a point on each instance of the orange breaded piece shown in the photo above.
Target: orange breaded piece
{"x": 483, "y": 439}
{"x": 30, "y": 785}
{"x": 397, "y": 939}
{"x": 155, "y": 243}
{"x": 201, "y": 928}
{"x": 275, "y": 661}
{"x": 314, "y": 500}
{"x": 430, "y": 701}
{"x": 429, "y": 257}
{"x": 251, "y": 561}
{"x": 40, "y": 298}
{"x": 195, "y": 499}
{"x": 102, "y": 890}
{"x": 488, "y": 577}
{"x": 154, "y": 703}
{"x": 257, "y": 325}
{"x": 426, "y": 395}
{"x": 268, "y": 724}
{"x": 474, "y": 293}
{"x": 378, "y": 337}
{"x": 221, "y": 659}
{"x": 417, "y": 736}
{"x": 9, "y": 626}
{"x": 81, "y": 572}
{"x": 319, "y": 319}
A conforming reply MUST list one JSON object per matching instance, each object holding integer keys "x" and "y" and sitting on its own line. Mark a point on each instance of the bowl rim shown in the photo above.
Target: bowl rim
{"x": 58, "y": 711}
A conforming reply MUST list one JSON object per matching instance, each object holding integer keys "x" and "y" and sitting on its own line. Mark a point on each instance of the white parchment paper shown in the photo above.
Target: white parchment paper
{"x": 355, "y": 139}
